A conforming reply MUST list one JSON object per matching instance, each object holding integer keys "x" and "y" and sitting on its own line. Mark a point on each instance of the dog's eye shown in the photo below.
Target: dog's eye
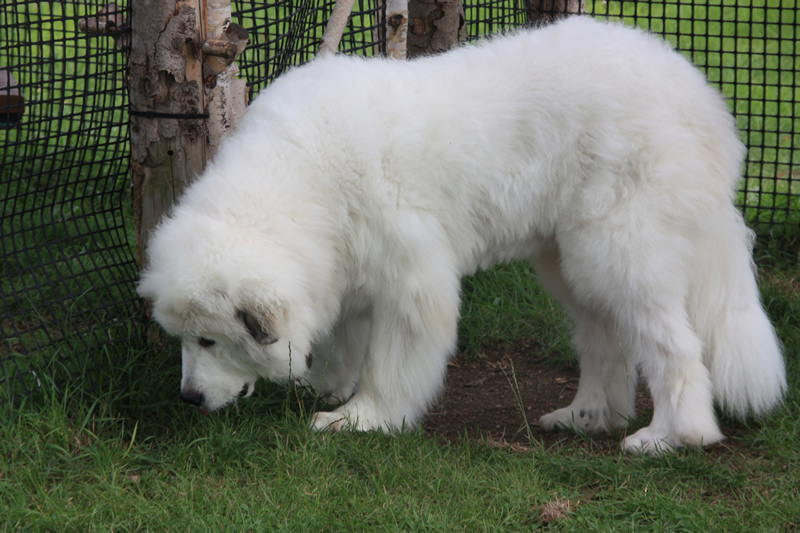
{"x": 205, "y": 343}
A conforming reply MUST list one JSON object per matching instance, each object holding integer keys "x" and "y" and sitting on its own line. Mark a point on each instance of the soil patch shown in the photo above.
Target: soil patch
{"x": 482, "y": 401}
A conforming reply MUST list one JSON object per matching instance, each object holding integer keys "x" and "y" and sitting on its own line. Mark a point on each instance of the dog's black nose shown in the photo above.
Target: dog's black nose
{"x": 192, "y": 397}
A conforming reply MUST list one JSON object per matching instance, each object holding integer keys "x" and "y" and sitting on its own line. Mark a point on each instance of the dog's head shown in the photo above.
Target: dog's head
{"x": 241, "y": 309}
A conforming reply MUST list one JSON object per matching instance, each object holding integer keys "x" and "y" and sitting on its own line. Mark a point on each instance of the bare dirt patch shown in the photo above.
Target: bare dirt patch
{"x": 483, "y": 397}
{"x": 481, "y": 402}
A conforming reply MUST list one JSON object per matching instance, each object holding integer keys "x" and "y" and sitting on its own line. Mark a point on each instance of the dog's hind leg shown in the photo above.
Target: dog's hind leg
{"x": 606, "y": 392}
{"x": 683, "y": 412}
{"x": 605, "y": 399}
{"x": 644, "y": 287}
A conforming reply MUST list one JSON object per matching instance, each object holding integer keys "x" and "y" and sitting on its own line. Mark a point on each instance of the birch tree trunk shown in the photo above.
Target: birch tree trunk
{"x": 396, "y": 28}
{"x": 226, "y": 92}
{"x": 334, "y": 30}
{"x": 168, "y": 133}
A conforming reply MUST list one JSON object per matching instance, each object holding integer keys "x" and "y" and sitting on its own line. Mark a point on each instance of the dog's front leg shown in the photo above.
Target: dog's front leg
{"x": 411, "y": 339}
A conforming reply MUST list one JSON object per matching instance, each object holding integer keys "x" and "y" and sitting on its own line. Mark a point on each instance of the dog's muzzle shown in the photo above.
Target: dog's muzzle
{"x": 192, "y": 397}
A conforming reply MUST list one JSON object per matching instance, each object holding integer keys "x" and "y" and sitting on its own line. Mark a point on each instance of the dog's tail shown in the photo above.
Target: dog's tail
{"x": 742, "y": 351}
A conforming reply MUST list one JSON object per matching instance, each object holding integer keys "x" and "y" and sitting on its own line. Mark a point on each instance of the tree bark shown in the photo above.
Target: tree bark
{"x": 435, "y": 26}
{"x": 335, "y": 27}
{"x": 168, "y": 133}
{"x": 396, "y": 28}
{"x": 546, "y": 11}
{"x": 182, "y": 102}
{"x": 226, "y": 93}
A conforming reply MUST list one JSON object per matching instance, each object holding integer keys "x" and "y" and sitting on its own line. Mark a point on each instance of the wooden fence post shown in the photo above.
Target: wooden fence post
{"x": 551, "y": 10}
{"x": 175, "y": 95}
{"x": 435, "y": 26}
{"x": 168, "y": 131}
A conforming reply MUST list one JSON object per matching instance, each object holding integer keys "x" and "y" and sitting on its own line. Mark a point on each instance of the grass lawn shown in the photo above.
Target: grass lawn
{"x": 132, "y": 457}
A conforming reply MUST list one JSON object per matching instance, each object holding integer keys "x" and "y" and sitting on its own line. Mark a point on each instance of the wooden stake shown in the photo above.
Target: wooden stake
{"x": 168, "y": 133}
{"x": 181, "y": 104}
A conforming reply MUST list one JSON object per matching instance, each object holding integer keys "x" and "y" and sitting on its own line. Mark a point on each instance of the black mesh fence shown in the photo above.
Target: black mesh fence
{"x": 68, "y": 304}
{"x": 67, "y": 250}
{"x": 751, "y": 52}
{"x": 66, "y": 247}
{"x": 748, "y": 50}
{"x": 286, "y": 33}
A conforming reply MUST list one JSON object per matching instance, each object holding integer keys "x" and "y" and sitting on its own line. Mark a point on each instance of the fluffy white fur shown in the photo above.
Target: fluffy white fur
{"x": 340, "y": 216}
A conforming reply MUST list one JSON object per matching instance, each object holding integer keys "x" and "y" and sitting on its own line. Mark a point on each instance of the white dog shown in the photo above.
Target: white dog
{"x": 340, "y": 216}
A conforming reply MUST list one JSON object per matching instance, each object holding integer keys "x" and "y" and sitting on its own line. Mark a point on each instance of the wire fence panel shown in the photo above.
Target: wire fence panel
{"x": 751, "y": 52}
{"x": 287, "y": 33}
{"x": 748, "y": 50}
{"x": 68, "y": 267}
{"x": 68, "y": 304}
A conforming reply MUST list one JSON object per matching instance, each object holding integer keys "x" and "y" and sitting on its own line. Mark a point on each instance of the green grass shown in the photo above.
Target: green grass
{"x": 130, "y": 457}
{"x": 505, "y": 304}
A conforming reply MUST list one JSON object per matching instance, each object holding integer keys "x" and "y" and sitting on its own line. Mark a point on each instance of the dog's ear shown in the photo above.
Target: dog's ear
{"x": 254, "y": 326}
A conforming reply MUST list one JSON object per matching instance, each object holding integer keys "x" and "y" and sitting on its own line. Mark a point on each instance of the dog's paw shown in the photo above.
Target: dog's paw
{"x": 329, "y": 421}
{"x": 359, "y": 414}
{"x": 645, "y": 442}
{"x": 648, "y": 441}
{"x": 345, "y": 420}
{"x": 587, "y": 419}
